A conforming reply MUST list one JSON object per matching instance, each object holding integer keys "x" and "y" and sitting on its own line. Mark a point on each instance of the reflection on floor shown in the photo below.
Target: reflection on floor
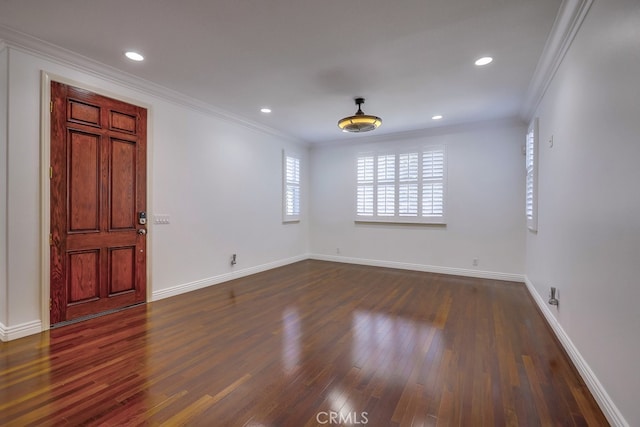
{"x": 312, "y": 343}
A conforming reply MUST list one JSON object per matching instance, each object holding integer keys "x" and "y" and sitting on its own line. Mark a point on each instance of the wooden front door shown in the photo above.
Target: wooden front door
{"x": 98, "y": 191}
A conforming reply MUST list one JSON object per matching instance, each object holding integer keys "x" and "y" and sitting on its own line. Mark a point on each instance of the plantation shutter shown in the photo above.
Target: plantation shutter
{"x": 386, "y": 185}
{"x": 402, "y": 187}
{"x": 291, "y": 188}
{"x": 408, "y": 185}
{"x": 365, "y": 186}
{"x": 531, "y": 149}
{"x": 433, "y": 183}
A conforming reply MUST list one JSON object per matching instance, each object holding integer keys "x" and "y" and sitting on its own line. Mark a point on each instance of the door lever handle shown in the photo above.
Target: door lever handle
{"x": 142, "y": 231}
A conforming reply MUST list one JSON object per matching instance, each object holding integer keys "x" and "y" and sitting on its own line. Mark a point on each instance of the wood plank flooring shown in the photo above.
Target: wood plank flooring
{"x": 313, "y": 343}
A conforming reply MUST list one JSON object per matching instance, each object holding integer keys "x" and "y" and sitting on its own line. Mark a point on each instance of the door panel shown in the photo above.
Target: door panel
{"x": 122, "y": 269}
{"x": 122, "y": 122}
{"x": 123, "y": 185}
{"x": 98, "y": 187}
{"x": 83, "y": 168}
{"x": 83, "y": 276}
{"x": 83, "y": 113}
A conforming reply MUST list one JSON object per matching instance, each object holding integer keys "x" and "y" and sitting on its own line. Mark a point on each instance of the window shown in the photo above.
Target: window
{"x": 291, "y": 187}
{"x": 402, "y": 187}
{"x": 531, "y": 163}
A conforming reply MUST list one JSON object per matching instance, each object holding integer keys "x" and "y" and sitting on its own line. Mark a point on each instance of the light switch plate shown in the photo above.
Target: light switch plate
{"x": 162, "y": 219}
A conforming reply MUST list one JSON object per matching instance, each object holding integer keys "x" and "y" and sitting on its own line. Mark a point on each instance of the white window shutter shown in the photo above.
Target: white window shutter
{"x": 402, "y": 187}
{"x": 531, "y": 164}
{"x": 365, "y": 196}
{"x": 433, "y": 173}
{"x": 291, "y": 188}
{"x": 386, "y": 175}
{"x": 365, "y": 200}
{"x": 408, "y": 185}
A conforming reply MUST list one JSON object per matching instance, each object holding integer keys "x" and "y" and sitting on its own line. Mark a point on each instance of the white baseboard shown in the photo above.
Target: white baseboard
{"x": 34, "y": 327}
{"x": 203, "y": 283}
{"x": 209, "y": 281}
{"x": 599, "y": 393}
{"x": 422, "y": 267}
{"x": 8, "y": 333}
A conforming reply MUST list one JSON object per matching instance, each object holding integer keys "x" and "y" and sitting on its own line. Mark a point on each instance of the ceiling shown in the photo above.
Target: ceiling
{"x": 307, "y": 60}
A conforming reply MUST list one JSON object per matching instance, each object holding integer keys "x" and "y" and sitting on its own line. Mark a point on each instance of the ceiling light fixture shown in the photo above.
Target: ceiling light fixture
{"x": 359, "y": 122}
{"x": 134, "y": 56}
{"x": 437, "y": 117}
{"x": 483, "y": 61}
{"x": 265, "y": 110}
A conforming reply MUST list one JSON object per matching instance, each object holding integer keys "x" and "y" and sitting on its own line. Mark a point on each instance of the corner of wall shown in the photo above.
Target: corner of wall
{"x": 607, "y": 405}
{"x": 568, "y": 21}
{"x": 4, "y": 112}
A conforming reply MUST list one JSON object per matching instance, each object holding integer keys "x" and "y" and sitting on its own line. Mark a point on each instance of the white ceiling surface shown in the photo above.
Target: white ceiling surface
{"x": 307, "y": 60}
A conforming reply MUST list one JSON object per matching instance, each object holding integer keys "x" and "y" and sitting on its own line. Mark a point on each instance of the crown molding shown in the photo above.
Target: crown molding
{"x": 568, "y": 21}
{"x": 17, "y": 40}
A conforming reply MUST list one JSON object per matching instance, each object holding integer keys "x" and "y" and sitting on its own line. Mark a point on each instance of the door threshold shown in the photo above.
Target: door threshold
{"x": 93, "y": 316}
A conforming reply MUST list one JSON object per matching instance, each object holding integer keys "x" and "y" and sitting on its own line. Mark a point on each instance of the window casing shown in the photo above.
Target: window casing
{"x": 405, "y": 186}
{"x": 290, "y": 187}
{"x": 531, "y": 164}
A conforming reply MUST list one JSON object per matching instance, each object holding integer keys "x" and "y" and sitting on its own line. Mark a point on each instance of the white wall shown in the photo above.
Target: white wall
{"x": 202, "y": 167}
{"x": 484, "y": 206}
{"x": 3, "y": 184}
{"x": 219, "y": 180}
{"x": 588, "y": 240}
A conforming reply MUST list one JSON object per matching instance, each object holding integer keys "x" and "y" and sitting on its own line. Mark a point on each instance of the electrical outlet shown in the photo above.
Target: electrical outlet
{"x": 234, "y": 259}
{"x": 554, "y": 296}
{"x": 475, "y": 262}
{"x": 338, "y": 251}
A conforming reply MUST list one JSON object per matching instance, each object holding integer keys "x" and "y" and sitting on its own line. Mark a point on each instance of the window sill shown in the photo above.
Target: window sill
{"x": 403, "y": 221}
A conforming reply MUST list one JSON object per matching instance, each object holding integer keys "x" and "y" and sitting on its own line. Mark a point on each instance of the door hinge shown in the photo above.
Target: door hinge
{"x": 51, "y": 106}
{"x": 50, "y": 239}
{"x": 50, "y": 172}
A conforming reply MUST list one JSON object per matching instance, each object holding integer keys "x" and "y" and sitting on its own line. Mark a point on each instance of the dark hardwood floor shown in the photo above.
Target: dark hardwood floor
{"x": 304, "y": 345}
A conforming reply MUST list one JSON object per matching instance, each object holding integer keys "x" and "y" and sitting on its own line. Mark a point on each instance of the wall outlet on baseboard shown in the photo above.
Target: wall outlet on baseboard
{"x": 338, "y": 251}
{"x": 475, "y": 262}
{"x": 234, "y": 259}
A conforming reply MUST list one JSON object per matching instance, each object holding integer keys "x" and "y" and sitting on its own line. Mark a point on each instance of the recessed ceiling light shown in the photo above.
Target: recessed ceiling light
{"x": 484, "y": 61}
{"x": 134, "y": 56}
{"x": 265, "y": 110}
{"x": 436, "y": 117}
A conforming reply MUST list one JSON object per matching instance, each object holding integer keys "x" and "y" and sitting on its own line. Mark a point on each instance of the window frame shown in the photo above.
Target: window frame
{"x": 532, "y": 148}
{"x": 286, "y": 183}
{"x": 372, "y": 186}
